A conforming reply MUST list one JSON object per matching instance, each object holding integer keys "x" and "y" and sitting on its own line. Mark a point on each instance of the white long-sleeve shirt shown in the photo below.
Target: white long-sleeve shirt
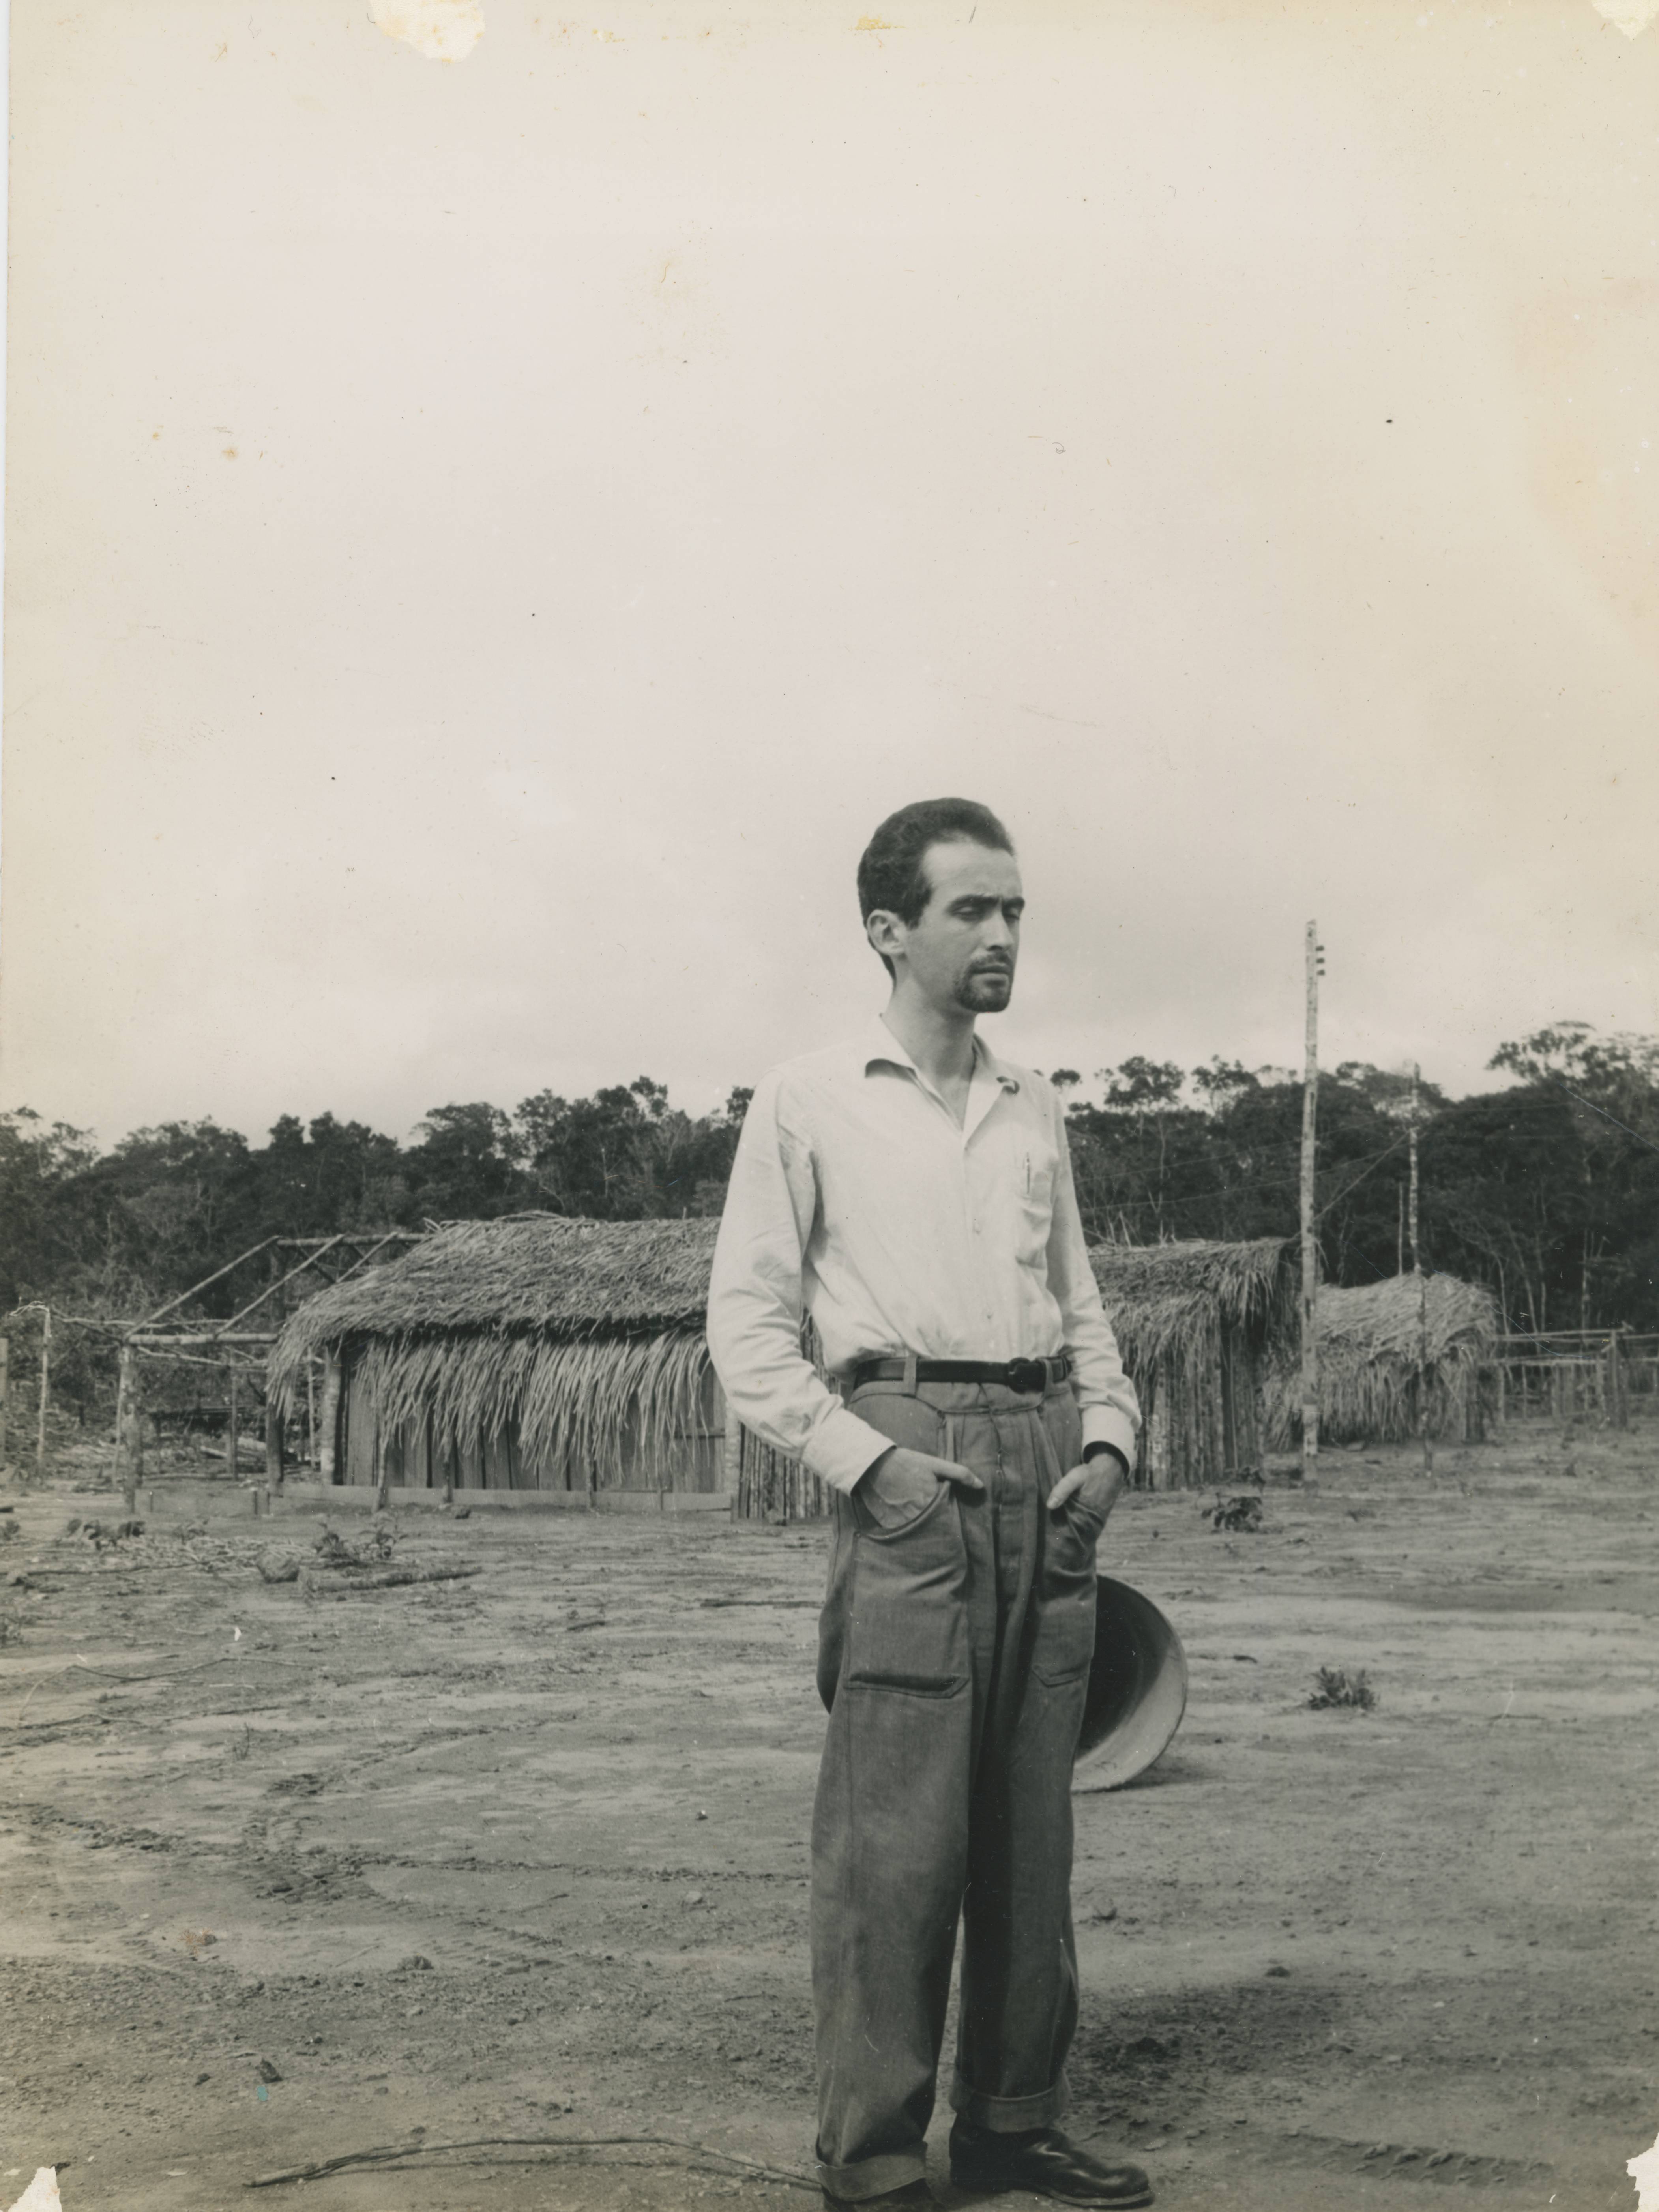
{"x": 855, "y": 1196}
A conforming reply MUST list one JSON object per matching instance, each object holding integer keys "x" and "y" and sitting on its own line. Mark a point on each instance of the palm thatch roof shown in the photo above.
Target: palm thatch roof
{"x": 541, "y": 1273}
{"x": 1384, "y": 1321}
{"x": 1382, "y": 1347}
{"x": 1165, "y": 1299}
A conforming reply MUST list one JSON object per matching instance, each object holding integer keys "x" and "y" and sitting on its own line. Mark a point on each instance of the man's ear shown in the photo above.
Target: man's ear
{"x": 886, "y": 932}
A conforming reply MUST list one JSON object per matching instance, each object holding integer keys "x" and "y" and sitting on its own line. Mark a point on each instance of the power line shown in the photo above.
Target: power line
{"x": 1375, "y": 1161}
{"x": 1225, "y": 1190}
{"x": 1603, "y": 1112}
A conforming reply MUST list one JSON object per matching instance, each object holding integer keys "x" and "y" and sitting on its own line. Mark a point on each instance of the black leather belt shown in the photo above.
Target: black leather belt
{"x": 1012, "y": 1374}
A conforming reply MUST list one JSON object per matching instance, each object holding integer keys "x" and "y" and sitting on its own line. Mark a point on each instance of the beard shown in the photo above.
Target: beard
{"x": 985, "y": 990}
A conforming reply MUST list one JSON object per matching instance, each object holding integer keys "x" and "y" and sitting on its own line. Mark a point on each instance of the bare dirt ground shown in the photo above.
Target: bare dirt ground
{"x": 524, "y": 1855}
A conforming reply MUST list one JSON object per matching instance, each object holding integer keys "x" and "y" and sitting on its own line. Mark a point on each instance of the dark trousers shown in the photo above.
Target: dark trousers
{"x": 954, "y": 1658}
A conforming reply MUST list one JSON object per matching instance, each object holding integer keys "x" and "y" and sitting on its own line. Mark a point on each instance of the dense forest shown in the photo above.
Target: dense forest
{"x": 1546, "y": 1189}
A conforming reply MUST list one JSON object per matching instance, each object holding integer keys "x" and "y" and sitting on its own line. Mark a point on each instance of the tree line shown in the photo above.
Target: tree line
{"x": 1546, "y": 1189}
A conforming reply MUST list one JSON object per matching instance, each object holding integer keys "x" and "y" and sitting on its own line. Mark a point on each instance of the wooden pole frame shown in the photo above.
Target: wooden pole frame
{"x": 731, "y": 1451}
{"x": 273, "y": 1440}
{"x": 328, "y": 1419}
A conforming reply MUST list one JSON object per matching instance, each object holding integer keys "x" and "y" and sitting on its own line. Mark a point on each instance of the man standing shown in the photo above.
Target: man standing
{"x": 913, "y": 1194}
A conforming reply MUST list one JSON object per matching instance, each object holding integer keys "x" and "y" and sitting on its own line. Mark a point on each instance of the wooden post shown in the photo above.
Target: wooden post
{"x": 5, "y": 1399}
{"x": 731, "y": 1450}
{"x": 231, "y": 1417}
{"x": 311, "y": 1414}
{"x": 328, "y": 1419}
{"x": 1618, "y": 1400}
{"x": 129, "y": 1428}
{"x": 45, "y": 1394}
{"x": 273, "y": 1439}
{"x": 1310, "y": 1224}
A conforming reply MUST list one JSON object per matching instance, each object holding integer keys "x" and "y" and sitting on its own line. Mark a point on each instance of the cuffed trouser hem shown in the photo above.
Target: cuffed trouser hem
{"x": 1009, "y": 2116}
{"x": 873, "y": 2177}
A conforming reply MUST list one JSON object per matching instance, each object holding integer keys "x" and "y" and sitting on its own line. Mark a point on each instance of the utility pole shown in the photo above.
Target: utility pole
{"x": 1316, "y": 961}
{"x": 1422, "y": 1293}
{"x": 1417, "y": 1257}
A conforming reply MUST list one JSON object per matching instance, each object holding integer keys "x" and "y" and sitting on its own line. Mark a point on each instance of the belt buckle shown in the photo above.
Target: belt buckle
{"x": 1028, "y": 1374}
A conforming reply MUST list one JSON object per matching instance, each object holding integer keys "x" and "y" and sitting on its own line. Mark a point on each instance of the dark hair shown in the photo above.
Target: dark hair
{"x": 891, "y": 877}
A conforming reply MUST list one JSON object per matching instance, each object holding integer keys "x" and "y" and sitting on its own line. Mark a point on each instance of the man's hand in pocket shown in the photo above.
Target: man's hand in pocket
{"x": 901, "y": 1485}
{"x": 1097, "y": 1484}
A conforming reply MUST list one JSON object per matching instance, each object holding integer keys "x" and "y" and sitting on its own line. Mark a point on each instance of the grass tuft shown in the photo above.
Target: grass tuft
{"x": 1240, "y": 1515}
{"x": 1337, "y": 1687}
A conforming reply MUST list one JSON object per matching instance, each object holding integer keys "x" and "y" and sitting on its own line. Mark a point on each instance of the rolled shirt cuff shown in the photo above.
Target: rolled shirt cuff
{"x": 1106, "y": 1424}
{"x": 842, "y": 1448}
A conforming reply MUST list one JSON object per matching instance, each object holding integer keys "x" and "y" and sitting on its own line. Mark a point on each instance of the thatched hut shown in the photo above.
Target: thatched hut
{"x": 543, "y": 1353}
{"x": 1199, "y": 1323}
{"x": 1386, "y": 1349}
{"x": 530, "y": 1353}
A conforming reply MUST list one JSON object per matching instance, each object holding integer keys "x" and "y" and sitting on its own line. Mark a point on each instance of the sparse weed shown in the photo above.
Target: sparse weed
{"x": 1336, "y": 1686}
{"x": 1240, "y": 1515}
{"x": 374, "y": 1551}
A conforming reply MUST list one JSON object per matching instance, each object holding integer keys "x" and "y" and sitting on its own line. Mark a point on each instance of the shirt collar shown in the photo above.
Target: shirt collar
{"x": 876, "y": 1043}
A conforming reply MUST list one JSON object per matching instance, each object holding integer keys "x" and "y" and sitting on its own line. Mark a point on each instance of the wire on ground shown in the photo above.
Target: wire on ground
{"x": 395, "y": 2153}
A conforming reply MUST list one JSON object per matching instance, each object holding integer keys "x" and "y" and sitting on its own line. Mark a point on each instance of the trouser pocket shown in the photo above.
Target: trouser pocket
{"x": 1065, "y": 1639}
{"x": 895, "y": 1618}
{"x": 907, "y": 1625}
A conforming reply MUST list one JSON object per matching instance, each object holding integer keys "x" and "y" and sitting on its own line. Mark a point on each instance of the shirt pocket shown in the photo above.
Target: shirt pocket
{"x": 1036, "y": 1166}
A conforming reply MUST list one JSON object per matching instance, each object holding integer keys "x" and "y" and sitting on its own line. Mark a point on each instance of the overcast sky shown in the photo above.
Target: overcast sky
{"x": 488, "y": 540}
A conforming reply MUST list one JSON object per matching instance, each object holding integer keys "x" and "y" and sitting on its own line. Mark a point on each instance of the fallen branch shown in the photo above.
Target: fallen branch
{"x": 390, "y": 2153}
{"x": 332, "y": 1582}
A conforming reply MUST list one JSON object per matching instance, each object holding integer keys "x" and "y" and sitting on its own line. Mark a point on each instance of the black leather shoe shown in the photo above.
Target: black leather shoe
{"x": 1043, "y": 2161}
{"x": 914, "y": 2192}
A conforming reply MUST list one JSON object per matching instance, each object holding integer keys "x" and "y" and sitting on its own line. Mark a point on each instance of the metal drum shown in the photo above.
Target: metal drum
{"x": 1137, "y": 1689}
